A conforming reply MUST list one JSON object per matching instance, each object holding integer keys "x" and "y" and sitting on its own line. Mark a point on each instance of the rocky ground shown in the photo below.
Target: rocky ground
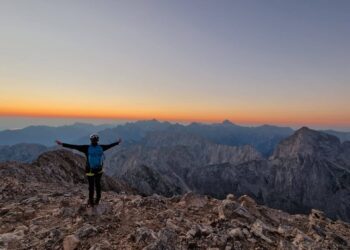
{"x": 56, "y": 218}
{"x": 44, "y": 214}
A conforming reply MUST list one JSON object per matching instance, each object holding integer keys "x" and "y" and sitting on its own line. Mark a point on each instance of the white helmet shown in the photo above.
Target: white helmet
{"x": 94, "y": 137}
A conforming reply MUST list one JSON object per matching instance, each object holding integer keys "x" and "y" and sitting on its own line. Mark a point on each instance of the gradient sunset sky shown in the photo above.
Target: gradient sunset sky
{"x": 253, "y": 62}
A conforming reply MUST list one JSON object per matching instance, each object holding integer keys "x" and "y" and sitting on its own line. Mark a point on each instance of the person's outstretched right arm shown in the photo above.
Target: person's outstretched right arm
{"x": 81, "y": 148}
{"x": 106, "y": 147}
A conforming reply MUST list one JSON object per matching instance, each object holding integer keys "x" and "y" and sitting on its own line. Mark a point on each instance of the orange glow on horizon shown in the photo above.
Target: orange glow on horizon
{"x": 250, "y": 118}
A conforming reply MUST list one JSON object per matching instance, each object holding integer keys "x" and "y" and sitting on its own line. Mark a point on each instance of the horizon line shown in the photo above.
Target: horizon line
{"x": 290, "y": 124}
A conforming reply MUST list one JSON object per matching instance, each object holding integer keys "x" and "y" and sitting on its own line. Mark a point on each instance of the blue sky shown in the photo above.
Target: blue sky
{"x": 280, "y": 62}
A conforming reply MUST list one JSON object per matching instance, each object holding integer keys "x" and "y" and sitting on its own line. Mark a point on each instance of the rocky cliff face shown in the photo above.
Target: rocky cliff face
{"x": 306, "y": 142}
{"x": 309, "y": 169}
{"x": 170, "y": 156}
{"x": 42, "y": 206}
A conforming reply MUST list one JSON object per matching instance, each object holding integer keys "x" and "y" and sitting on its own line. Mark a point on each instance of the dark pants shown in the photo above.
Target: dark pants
{"x": 94, "y": 181}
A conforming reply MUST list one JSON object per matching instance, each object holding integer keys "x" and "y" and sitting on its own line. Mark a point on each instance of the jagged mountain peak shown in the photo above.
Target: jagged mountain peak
{"x": 227, "y": 122}
{"x": 306, "y": 131}
{"x": 306, "y": 141}
{"x": 308, "y": 135}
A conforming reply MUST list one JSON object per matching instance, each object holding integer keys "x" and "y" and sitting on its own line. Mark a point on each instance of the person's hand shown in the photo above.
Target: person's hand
{"x": 59, "y": 142}
{"x": 119, "y": 141}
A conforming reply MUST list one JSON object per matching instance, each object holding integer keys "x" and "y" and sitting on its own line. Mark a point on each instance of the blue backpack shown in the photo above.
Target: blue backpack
{"x": 95, "y": 156}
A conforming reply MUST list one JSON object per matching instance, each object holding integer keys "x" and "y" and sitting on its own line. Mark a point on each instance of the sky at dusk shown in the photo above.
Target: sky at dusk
{"x": 252, "y": 62}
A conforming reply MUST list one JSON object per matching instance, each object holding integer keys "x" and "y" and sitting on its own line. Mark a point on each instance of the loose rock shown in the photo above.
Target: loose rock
{"x": 70, "y": 242}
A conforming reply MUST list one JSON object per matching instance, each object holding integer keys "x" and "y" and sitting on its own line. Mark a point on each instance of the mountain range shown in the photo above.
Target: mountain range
{"x": 22, "y": 145}
{"x": 285, "y": 169}
{"x": 309, "y": 169}
{"x": 46, "y": 135}
{"x": 263, "y": 138}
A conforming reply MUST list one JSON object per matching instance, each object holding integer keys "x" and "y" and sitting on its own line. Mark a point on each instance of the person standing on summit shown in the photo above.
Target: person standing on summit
{"x": 94, "y": 164}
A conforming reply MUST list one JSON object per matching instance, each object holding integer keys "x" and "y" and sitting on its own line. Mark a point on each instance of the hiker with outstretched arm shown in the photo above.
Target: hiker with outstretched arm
{"x": 94, "y": 164}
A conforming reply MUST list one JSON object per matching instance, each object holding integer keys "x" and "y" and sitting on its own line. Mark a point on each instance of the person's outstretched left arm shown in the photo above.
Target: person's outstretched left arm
{"x": 108, "y": 146}
{"x": 81, "y": 148}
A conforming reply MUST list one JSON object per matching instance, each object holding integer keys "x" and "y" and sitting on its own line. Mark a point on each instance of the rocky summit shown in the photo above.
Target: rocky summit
{"x": 42, "y": 206}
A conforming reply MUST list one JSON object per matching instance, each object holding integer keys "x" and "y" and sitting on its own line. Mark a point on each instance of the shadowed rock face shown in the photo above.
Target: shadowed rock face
{"x": 307, "y": 142}
{"x": 170, "y": 156}
{"x": 312, "y": 184}
{"x": 308, "y": 170}
{"x": 149, "y": 181}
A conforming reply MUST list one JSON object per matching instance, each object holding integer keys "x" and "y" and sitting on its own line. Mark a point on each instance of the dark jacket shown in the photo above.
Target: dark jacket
{"x": 84, "y": 149}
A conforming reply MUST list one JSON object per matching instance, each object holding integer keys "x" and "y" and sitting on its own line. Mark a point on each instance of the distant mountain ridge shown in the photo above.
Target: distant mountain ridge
{"x": 343, "y": 136}
{"x": 131, "y": 132}
{"x": 264, "y": 138}
{"x": 46, "y": 135}
{"x": 23, "y": 152}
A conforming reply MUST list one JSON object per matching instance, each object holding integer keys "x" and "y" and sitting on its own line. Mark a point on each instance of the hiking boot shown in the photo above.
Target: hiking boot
{"x": 97, "y": 201}
{"x": 90, "y": 204}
